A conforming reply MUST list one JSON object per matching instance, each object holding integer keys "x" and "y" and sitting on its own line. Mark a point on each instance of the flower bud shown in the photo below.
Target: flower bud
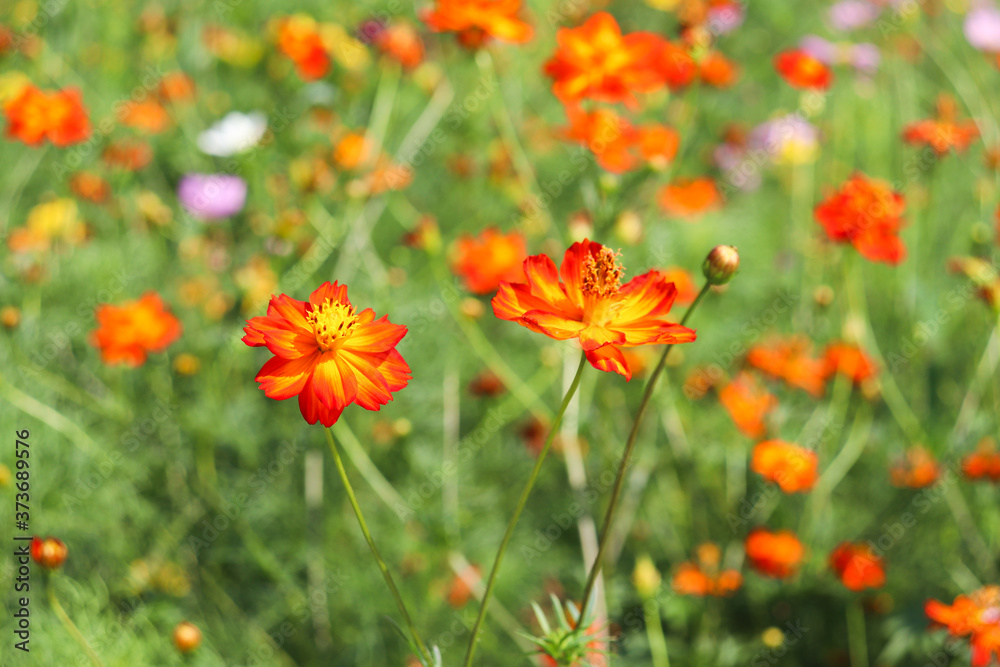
{"x": 187, "y": 637}
{"x": 721, "y": 264}
{"x": 646, "y": 577}
{"x": 49, "y": 552}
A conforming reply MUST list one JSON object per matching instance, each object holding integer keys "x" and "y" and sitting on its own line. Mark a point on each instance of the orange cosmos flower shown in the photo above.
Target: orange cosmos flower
{"x": 851, "y": 361}
{"x": 176, "y": 87}
{"x": 944, "y": 132}
{"x": 857, "y": 566}
{"x": 300, "y": 40}
{"x": 801, "y": 70}
{"x": 690, "y": 199}
{"x": 658, "y": 145}
{"x": 459, "y": 592}
{"x": 401, "y": 42}
{"x": 676, "y": 65}
{"x": 148, "y": 116}
{"x": 127, "y": 333}
{"x": 352, "y": 150}
{"x": 977, "y": 616}
{"x": 748, "y": 403}
{"x": 595, "y": 61}
{"x": 984, "y": 463}
{"x": 916, "y": 470}
{"x": 717, "y": 70}
{"x": 476, "y": 19}
{"x": 617, "y": 144}
{"x": 790, "y": 359}
{"x": 703, "y": 577}
{"x": 791, "y": 467}
{"x": 127, "y": 154}
{"x": 328, "y": 354}
{"x": 867, "y": 214}
{"x": 489, "y": 259}
{"x": 50, "y": 553}
{"x": 777, "y": 554}
{"x": 34, "y": 115}
{"x": 585, "y": 300}
{"x": 90, "y": 186}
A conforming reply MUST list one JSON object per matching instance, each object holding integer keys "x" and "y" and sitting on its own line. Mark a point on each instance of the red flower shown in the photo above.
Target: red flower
{"x": 489, "y": 259}
{"x": 976, "y": 615}
{"x": 857, "y": 566}
{"x": 917, "y": 470}
{"x": 867, "y": 214}
{"x": 801, "y": 70}
{"x": 984, "y": 463}
{"x": 595, "y": 61}
{"x": 328, "y": 354}
{"x": 748, "y": 404}
{"x": 944, "y": 132}
{"x": 777, "y": 554}
{"x": 50, "y": 553}
{"x": 127, "y": 333}
{"x": 34, "y": 115}
{"x": 584, "y": 299}
{"x": 300, "y": 40}
{"x": 851, "y": 361}
{"x": 475, "y": 19}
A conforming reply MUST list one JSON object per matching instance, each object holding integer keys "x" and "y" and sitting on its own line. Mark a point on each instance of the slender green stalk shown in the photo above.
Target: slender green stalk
{"x": 522, "y": 501}
{"x": 70, "y": 627}
{"x": 626, "y": 461}
{"x": 654, "y": 633}
{"x": 857, "y": 643}
{"x": 425, "y": 654}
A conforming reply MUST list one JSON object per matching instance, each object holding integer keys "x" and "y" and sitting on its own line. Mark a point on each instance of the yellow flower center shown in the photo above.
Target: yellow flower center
{"x": 331, "y": 321}
{"x": 602, "y": 274}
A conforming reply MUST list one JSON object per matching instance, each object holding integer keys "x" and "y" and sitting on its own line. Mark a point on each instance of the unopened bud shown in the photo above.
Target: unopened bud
{"x": 187, "y": 637}
{"x": 49, "y": 552}
{"x": 721, "y": 264}
{"x": 646, "y": 577}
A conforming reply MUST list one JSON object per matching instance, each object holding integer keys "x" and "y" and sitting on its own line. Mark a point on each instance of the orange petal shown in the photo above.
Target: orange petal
{"x": 609, "y": 359}
{"x": 333, "y": 382}
{"x": 283, "y": 378}
{"x": 374, "y": 337}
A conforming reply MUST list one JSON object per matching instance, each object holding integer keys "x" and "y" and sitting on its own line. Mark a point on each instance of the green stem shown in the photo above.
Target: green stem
{"x": 626, "y": 461}
{"x": 654, "y": 633}
{"x": 70, "y": 627}
{"x": 425, "y": 654}
{"x": 856, "y": 640}
{"x": 522, "y": 501}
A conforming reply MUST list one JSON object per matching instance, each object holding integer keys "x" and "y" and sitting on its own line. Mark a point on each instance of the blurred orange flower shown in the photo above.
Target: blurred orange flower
{"x": 128, "y": 332}
{"x": 485, "y": 261}
{"x": 791, "y": 467}
{"x": 717, "y": 70}
{"x": 868, "y": 214}
{"x": 127, "y": 154}
{"x": 748, "y": 403}
{"x": 352, "y": 149}
{"x": 300, "y": 40}
{"x": 595, "y": 61}
{"x": 459, "y": 592}
{"x": 776, "y": 554}
{"x": 148, "y": 116}
{"x": 176, "y": 87}
{"x": 328, "y": 354}
{"x": 402, "y": 43}
{"x": 977, "y": 616}
{"x": 684, "y": 282}
{"x": 585, "y": 300}
{"x": 690, "y": 199}
{"x": 617, "y": 144}
{"x": 790, "y": 359}
{"x": 49, "y": 552}
{"x": 944, "y": 132}
{"x": 88, "y": 185}
{"x": 34, "y": 115}
{"x": 916, "y": 470}
{"x": 478, "y": 19}
{"x": 984, "y": 463}
{"x": 702, "y": 577}
{"x": 801, "y": 70}
{"x": 851, "y": 361}
{"x": 857, "y": 566}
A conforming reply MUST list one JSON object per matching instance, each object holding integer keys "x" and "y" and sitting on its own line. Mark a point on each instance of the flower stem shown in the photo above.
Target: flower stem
{"x": 70, "y": 627}
{"x": 425, "y": 654}
{"x": 626, "y": 461}
{"x": 522, "y": 501}
{"x": 654, "y": 633}
{"x": 856, "y": 640}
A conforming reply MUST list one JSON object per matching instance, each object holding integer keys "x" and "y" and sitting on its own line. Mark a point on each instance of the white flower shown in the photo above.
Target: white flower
{"x": 235, "y": 133}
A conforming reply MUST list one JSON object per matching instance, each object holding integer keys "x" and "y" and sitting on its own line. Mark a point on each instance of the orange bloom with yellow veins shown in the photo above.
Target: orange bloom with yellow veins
{"x": 791, "y": 467}
{"x": 127, "y": 333}
{"x": 857, "y": 566}
{"x": 748, "y": 403}
{"x": 489, "y": 259}
{"x": 790, "y": 359}
{"x": 777, "y": 554}
{"x": 801, "y": 70}
{"x": 596, "y": 61}
{"x": 584, "y": 299}
{"x": 328, "y": 354}
{"x": 977, "y": 616}
{"x": 474, "y": 19}
{"x": 34, "y": 115}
